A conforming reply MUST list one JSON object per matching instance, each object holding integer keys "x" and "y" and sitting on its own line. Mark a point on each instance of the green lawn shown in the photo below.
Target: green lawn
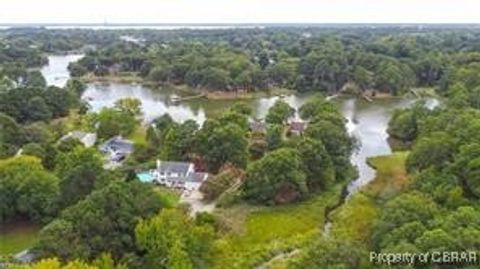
{"x": 391, "y": 176}
{"x": 139, "y": 135}
{"x": 170, "y": 198}
{"x": 259, "y": 233}
{"x": 16, "y": 237}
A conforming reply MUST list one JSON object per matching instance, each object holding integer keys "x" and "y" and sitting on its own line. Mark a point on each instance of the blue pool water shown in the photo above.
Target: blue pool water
{"x": 145, "y": 177}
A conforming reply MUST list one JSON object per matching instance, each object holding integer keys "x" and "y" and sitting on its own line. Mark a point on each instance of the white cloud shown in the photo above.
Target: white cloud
{"x": 239, "y": 11}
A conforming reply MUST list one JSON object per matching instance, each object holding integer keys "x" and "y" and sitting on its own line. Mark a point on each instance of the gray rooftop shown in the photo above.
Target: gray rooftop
{"x": 192, "y": 177}
{"x": 173, "y": 167}
{"x": 117, "y": 144}
{"x": 298, "y": 126}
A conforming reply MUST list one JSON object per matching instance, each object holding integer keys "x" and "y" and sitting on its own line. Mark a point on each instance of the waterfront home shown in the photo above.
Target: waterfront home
{"x": 87, "y": 139}
{"x": 179, "y": 175}
{"x": 116, "y": 148}
{"x": 297, "y": 127}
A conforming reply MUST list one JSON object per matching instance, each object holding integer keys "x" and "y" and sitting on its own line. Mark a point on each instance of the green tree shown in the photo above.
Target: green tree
{"x": 318, "y": 165}
{"x": 158, "y": 130}
{"x": 435, "y": 150}
{"x": 362, "y": 77}
{"x": 242, "y": 108}
{"x": 35, "y": 79}
{"x": 173, "y": 240}
{"x": 276, "y": 178}
{"x": 113, "y": 122}
{"x": 333, "y": 254}
{"x": 222, "y": 144}
{"x": 467, "y": 168}
{"x": 179, "y": 141}
{"x": 274, "y": 136}
{"x": 27, "y": 189}
{"x": 34, "y": 149}
{"x": 38, "y": 109}
{"x": 404, "y": 124}
{"x": 403, "y": 209}
{"x": 81, "y": 171}
{"x": 338, "y": 144}
{"x": 279, "y": 113}
{"x": 76, "y": 86}
{"x": 59, "y": 100}
{"x": 97, "y": 225}
{"x": 11, "y": 135}
{"x": 129, "y": 105}
{"x": 257, "y": 148}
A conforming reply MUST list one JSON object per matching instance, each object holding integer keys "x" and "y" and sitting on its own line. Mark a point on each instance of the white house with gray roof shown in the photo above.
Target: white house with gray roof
{"x": 178, "y": 175}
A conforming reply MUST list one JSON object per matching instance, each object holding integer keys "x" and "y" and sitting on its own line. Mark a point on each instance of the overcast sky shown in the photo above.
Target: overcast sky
{"x": 240, "y": 11}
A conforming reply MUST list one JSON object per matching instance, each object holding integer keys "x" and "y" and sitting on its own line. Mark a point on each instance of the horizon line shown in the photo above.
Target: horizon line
{"x": 227, "y": 23}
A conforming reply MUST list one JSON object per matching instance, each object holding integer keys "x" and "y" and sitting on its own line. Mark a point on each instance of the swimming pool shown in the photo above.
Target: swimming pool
{"x": 145, "y": 177}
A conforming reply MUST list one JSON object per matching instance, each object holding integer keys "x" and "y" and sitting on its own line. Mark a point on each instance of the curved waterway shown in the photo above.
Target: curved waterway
{"x": 366, "y": 121}
{"x": 56, "y": 72}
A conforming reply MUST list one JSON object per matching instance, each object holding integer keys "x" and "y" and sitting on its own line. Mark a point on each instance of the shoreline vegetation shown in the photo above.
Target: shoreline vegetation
{"x": 184, "y": 90}
{"x": 218, "y": 95}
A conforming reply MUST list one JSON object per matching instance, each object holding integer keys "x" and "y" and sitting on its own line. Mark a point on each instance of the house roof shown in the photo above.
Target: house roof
{"x": 198, "y": 177}
{"x": 173, "y": 167}
{"x": 118, "y": 144}
{"x": 192, "y": 177}
{"x": 298, "y": 126}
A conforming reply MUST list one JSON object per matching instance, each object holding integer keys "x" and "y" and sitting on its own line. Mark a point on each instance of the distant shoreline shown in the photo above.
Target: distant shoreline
{"x": 220, "y": 26}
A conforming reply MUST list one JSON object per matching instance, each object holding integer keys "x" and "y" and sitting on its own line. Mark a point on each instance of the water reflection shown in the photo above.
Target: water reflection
{"x": 368, "y": 123}
{"x": 154, "y": 102}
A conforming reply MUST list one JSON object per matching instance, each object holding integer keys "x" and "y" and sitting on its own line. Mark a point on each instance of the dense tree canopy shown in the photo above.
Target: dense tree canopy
{"x": 276, "y": 178}
{"x": 27, "y": 190}
{"x": 222, "y": 144}
{"x": 173, "y": 240}
{"x": 97, "y": 224}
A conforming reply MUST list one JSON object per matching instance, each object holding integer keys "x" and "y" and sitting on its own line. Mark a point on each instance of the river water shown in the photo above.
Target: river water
{"x": 367, "y": 121}
{"x": 56, "y": 72}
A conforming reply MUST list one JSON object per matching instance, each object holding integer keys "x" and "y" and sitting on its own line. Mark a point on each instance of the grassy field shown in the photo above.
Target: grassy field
{"x": 259, "y": 233}
{"x": 16, "y": 237}
{"x": 391, "y": 176}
